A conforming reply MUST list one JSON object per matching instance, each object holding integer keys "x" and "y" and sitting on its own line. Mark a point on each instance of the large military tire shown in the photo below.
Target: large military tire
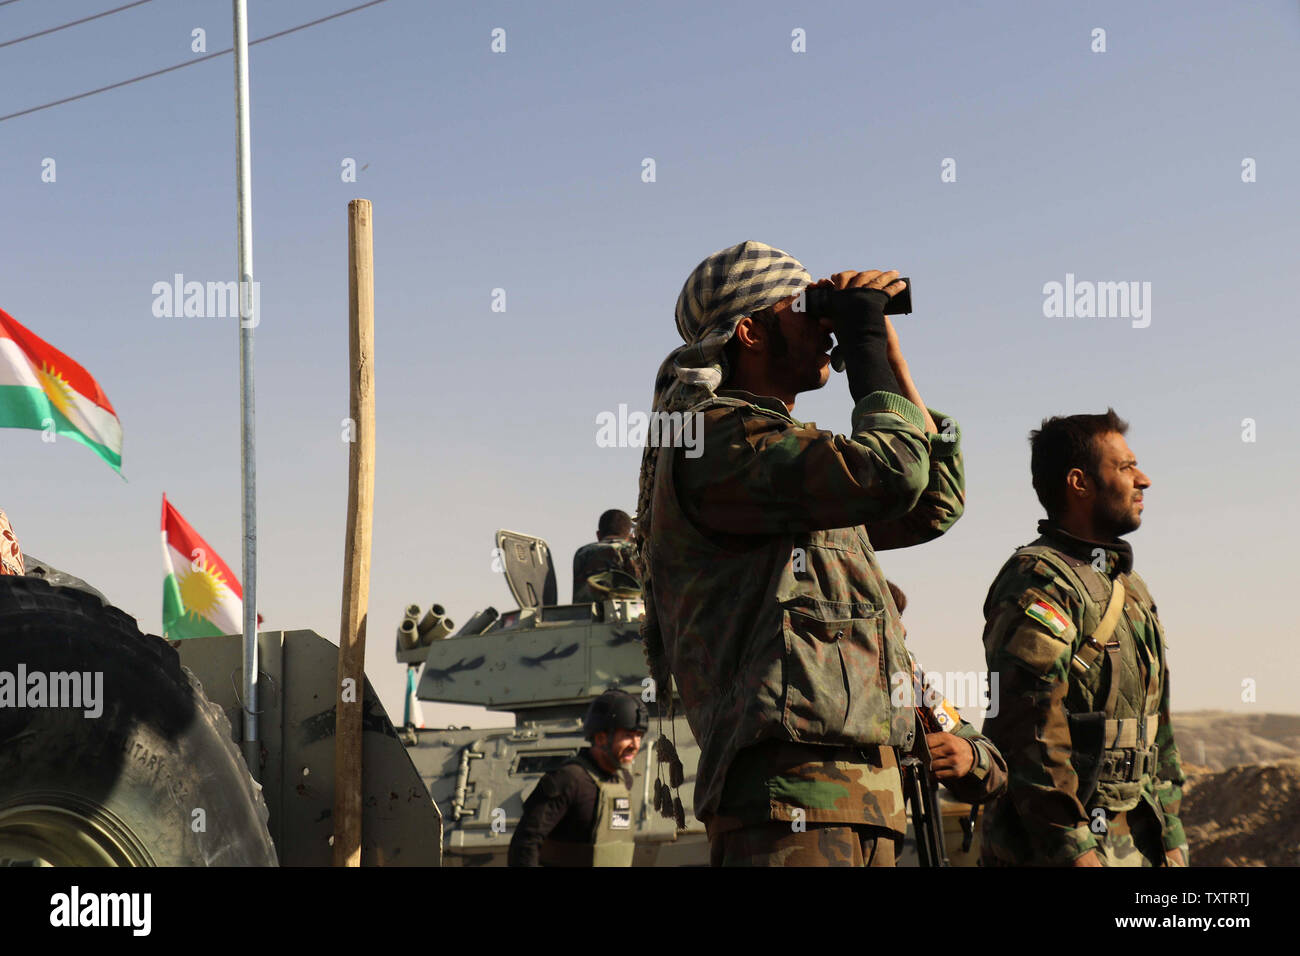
{"x": 153, "y": 780}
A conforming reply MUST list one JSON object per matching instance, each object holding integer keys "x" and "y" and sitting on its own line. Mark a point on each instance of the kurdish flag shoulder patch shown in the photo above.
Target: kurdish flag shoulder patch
{"x": 1047, "y": 614}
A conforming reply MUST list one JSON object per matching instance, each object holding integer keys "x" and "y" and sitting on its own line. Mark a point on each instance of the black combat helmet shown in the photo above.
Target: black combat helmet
{"x": 614, "y": 710}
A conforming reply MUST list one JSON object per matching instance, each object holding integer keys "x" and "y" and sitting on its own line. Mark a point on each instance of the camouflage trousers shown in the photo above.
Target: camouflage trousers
{"x": 1129, "y": 839}
{"x": 774, "y": 843}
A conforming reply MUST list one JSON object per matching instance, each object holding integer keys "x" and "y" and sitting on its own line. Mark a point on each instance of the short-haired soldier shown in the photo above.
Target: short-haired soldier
{"x": 1083, "y": 707}
{"x": 613, "y": 550}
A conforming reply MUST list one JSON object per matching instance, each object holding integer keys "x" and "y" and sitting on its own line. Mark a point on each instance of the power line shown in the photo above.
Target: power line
{"x": 5, "y": 3}
{"x": 181, "y": 66}
{"x": 93, "y": 16}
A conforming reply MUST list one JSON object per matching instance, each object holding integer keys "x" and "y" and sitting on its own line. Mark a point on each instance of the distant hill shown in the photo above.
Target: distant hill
{"x": 1217, "y": 740}
{"x": 1241, "y": 805}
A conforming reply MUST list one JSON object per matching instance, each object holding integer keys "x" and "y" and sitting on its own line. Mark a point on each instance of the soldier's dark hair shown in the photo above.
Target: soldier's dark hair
{"x": 900, "y": 599}
{"x": 614, "y": 521}
{"x": 1065, "y": 442}
{"x": 768, "y": 319}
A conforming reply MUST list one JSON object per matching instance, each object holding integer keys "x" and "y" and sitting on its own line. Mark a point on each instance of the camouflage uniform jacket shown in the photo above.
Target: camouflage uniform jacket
{"x": 773, "y": 613}
{"x": 1037, "y": 621}
{"x": 609, "y": 552}
{"x": 773, "y": 779}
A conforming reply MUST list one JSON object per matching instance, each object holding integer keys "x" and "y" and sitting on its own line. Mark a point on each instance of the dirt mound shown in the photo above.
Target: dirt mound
{"x": 1244, "y": 816}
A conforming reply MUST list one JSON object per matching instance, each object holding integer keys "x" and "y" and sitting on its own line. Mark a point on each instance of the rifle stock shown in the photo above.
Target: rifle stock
{"x": 922, "y": 790}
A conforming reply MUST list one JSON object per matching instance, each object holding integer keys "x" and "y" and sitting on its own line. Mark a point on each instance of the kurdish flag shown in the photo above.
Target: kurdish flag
{"x": 201, "y": 598}
{"x": 40, "y": 387}
{"x": 412, "y": 715}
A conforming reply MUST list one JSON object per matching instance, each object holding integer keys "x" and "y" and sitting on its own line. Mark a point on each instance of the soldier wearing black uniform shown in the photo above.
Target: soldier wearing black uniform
{"x": 581, "y": 813}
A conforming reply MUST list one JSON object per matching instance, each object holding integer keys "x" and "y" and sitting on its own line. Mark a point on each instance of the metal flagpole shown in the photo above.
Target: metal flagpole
{"x": 248, "y": 320}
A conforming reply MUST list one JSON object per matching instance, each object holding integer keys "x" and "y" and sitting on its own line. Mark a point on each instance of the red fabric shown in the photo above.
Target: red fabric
{"x": 44, "y": 355}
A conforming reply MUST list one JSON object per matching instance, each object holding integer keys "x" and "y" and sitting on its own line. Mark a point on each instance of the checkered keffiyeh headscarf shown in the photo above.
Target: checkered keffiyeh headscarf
{"x": 723, "y": 289}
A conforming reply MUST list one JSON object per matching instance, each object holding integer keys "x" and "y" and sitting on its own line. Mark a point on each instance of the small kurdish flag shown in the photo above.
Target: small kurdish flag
{"x": 412, "y": 715}
{"x": 1047, "y": 615}
{"x": 41, "y": 387}
{"x": 203, "y": 598}
{"x": 927, "y": 694}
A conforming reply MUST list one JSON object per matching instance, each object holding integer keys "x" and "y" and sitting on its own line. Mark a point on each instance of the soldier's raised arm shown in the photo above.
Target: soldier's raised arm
{"x": 943, "y": 500}
{"x": 762, "y": 474}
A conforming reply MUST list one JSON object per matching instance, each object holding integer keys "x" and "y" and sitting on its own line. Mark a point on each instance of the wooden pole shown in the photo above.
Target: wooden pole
{"x": 356, "y": 547}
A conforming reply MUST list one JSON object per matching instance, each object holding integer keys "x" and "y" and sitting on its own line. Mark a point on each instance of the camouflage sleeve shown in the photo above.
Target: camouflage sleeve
{"x": 1169, "y": 775}
{"x": 943, "y": 500}
{"x": 1032, "y": 620}
{"x": 987, "y": 777}
{"x": 759, "y": 474}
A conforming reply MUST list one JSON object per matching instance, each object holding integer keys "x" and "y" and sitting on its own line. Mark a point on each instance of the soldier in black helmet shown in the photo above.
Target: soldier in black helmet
{"x": 581, "y": 813}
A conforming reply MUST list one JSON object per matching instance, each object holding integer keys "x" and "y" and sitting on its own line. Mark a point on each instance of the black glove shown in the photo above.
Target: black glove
{"x": 858, "y": 317}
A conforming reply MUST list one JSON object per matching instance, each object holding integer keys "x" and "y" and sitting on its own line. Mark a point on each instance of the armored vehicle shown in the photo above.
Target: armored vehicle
{"x": 118, "y": 748}
{"x": 540, "y": 665}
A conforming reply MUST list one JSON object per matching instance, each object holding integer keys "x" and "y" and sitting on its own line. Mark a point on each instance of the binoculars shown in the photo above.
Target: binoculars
{"x": 819, "y": 301}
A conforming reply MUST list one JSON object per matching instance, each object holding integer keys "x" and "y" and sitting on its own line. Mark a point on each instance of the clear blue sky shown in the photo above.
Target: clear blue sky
{"x": 522, "y": 171}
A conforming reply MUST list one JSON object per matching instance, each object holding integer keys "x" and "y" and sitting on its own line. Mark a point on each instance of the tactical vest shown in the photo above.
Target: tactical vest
{"x": 796, "y": 638}
{"x": 611, "y": 842}
{"x": 1114, "y": 711}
